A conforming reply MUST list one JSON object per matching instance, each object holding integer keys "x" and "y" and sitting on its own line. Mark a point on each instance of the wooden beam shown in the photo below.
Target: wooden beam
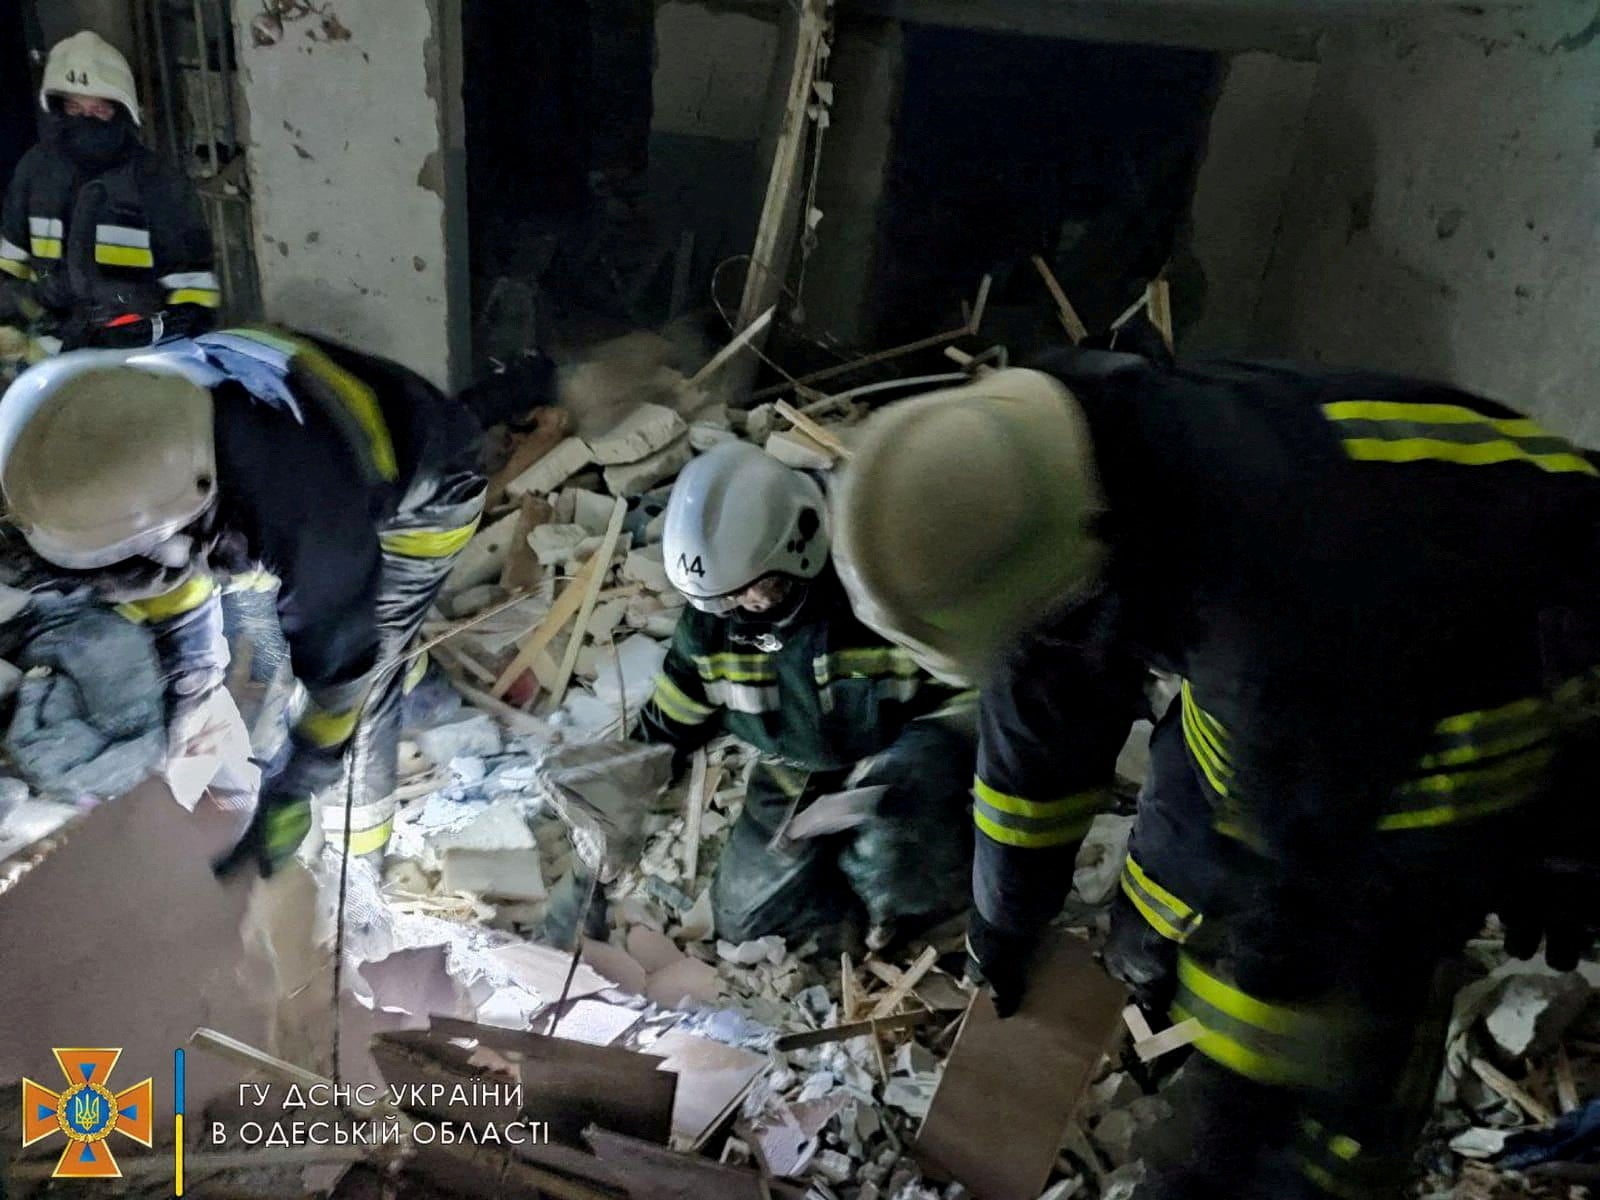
{"x": 893, "y": 998}
{"x": 781, "y": 211}
{"x": 1160, "y": 305}
{"x": 817, "y": 433}
{"x": 1068, "y": 315}
{"x": 591, "y": 592}
{"x": 1508, "y": 1089}
{"x": 696, "y": 801}
{"x": 852, "y": 1029}
{"x": 220, "y": 1045}
{"x": 722, "y": 357}
{"x": 1174, "y": 1037}
{"x": 561, "y": 611}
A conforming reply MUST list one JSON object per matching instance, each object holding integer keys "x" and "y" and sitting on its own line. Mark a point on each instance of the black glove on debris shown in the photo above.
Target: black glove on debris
{"x": 1001, "y": 960}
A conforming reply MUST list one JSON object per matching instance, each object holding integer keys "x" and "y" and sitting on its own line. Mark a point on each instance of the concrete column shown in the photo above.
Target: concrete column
{"x": 866, "y": 70}
{"x": 356, "y": 153}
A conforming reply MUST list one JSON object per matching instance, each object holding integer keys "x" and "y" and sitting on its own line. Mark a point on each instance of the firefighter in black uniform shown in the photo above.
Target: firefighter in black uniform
{"x": 152, "y": 474}
{"x": 101, "y": 242}
{"x": 1383, "y": 600}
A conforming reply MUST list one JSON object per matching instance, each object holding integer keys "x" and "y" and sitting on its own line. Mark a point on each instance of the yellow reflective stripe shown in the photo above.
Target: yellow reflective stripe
{"x": 1236, "y": 1056}
{"x": 427, "y": 543}
{"x": 1470, "y": 454}
{"x": 328, "y": 729}
{"x": 1447, "y": 814}
{"x": 1529, "y": 763}
{"x": 1472, "y": 752}
{"x": 1040, "y": 810}
{"x": 252, "y": 581}
{"x": 359, "y": 401}
{"x": 1026, "y": 839}
{"x": 364, "y": 841}
{"x": 1179, "y": 909}
{"x": 46, "y": 247}
{"x": 110, "y": 255}
{"x": 678, "y": 704}
{"x": 19, "y": 270}
{"x": 414, "y": 673}
{"x": 882, "y": 660}
{"x": 186, "y": 597}
{"x": 1241, "y": 1006}
{"x": 1344, "y": 1147}
{"x": 1428, "y": 414}
{"x": 1204, "y": 753}
{"x": 737, "y": 668}
{"x": 1468, "y": 722}
{"x": 205, "y": 297}
{"x": 1157, "y": 919}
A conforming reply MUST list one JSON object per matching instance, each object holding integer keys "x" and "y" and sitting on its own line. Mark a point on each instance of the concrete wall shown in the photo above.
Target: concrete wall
{"x": 710, "y": 87}
{"x": 1442, "y": 215}
{"x": 356, "y": 163}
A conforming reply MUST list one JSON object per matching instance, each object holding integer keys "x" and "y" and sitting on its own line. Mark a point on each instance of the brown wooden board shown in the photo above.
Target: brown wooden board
{"x": 1010, "y": 1087}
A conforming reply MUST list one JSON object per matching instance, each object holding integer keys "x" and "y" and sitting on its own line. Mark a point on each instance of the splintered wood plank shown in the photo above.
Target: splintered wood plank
{"x": 1010, "y": 1088}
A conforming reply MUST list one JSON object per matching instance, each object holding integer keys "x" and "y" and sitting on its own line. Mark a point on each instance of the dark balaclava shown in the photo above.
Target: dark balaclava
{"x": 92, "y": 144}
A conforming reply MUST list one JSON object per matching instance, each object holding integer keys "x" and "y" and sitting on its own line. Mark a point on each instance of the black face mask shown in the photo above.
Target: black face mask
{"x": 91, "y": 143}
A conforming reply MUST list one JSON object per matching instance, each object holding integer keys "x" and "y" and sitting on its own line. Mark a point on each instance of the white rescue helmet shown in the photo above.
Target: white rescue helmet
{"x": 85, "y": 64}
{"x": 736, "y": 516}
{"x": 105, "y": 455}
{"x": 964, "y": 516}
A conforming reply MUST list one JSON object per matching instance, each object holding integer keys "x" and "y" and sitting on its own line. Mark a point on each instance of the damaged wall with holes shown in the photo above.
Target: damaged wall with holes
{"x": 355, "y": 156}
{"x": 1425, "y": 199}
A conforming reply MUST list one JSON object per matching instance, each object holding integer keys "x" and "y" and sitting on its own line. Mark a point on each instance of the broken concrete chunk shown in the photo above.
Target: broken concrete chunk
{"x": 758, "y": 422}
{"x": 592, "y": 510}
{"x": 685, "y": 983}
{"x": 651, "y": 949}
{"x": 553, "y": 545}
{"x": 1117, "y": 1130}
{"x": 484, "y": 557}
{"x": 647, "y": 566}
{"x": 795, "y": 449}
{"x": 703, "y": 436}
{"x": 644, "y": 431}
{"x": 475, "y": 735}
{"x": 606, "y": 617}
{"x": 911, "y": 1094}
{"x": 617, "y": 965}
{"x": 1100, "y": 858}
{"x": 770, "y": 949}
{"x": 1533, "y": 1011}
{"x": 568, "y": 458}
{"x": 632, "y": 479}
{"x": 494, "y": 854}
{"x": 638, "y": 659}
{"x": 469, "y": 602}
{"x": 697, "y": 921}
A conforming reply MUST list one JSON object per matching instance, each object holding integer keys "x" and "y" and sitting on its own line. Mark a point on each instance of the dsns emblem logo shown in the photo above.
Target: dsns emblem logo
{"x": 88, "y": 1112}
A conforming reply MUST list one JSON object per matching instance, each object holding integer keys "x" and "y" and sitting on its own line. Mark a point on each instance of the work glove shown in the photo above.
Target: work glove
{"x": 1557, "y": 901}
{"x": 1000, "y": 959}
{"x": 281, "y": 822}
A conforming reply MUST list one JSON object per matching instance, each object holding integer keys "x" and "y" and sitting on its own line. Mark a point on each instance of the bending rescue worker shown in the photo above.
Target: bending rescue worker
{"x": 1382, "y": 598}
{"x": 101, "y": 242}
{"x": 769, "y": 651}
{"x": 152, "y": 474}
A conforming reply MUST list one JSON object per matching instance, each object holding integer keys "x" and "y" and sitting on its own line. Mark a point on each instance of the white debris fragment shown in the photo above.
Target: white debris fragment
{"x": 474, "y": 735}
{"x": 833, "y": 1166}
{"x": 568, "y": 457}
{"x": 592, "y": 510}
{"x": 1121, "y": 1183}
{"x": 647, "y": 566}
{"x": 484, "y": 557}
{"x": 1064, "y": 1189}
{"x": 911, "y": 1094}
{"x": 697, "y": 921}
{"x": 647, "y": 429}
{"x": 1479, "y": 1142}
{"x": 1100, "y": 858}
{"x": 494, "y": 854}
{"x": 553, "y": 545}
{"x": 632, "y": 479}
{"x": 1533, "y": 1011}
{"x": 1118, "y": 1129}
{"x": 795, "y": 449}
{"x": 638, "y": 659}
{"x": 684, "y": 983}
{"x": 770, "y": 949}
{"x": 703, "y": 435}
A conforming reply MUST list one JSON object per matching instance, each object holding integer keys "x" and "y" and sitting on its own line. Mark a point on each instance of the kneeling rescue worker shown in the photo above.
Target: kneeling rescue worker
{"x": 152, "y": 474}
{"x": 1382, "y": 598}
{"x": 102, "y": 243}
{"x": 769, "y": 651}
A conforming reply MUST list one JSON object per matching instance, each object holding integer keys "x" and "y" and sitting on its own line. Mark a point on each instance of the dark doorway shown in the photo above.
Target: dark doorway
{"x": 1010, "y": 146}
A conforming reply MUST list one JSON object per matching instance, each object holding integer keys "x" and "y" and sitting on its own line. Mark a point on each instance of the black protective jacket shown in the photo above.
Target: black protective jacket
{"x": 88, "y": 248}
{"x": 1378, "y": 591}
